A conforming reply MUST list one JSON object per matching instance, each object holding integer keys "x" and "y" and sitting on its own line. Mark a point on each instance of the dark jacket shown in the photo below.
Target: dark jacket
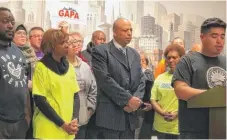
{"x": 118, "y": 79}
{"x": 87, "y": 53}
{"x": 149, "y": 80}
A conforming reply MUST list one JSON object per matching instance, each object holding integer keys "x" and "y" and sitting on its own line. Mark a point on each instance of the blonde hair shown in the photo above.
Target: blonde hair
{"x": 51, "y": 38}
{"x": 62, "y": 24}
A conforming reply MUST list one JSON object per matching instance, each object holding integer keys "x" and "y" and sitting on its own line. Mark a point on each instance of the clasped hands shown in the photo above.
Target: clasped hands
{"x": 71, "y": 128}
{"x": 169, "y": 116}
{"x": 133, "y": 104}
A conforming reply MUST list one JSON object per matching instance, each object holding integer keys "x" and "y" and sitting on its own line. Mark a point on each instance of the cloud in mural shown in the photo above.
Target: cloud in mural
{"x": 72, "y": 13}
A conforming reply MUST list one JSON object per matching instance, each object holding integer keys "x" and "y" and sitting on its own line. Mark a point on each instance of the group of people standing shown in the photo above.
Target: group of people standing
{"x": 52, "y": 89}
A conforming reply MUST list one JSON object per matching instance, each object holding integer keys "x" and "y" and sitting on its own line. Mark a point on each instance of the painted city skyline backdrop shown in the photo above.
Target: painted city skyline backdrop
{"x": 155, "y": 23}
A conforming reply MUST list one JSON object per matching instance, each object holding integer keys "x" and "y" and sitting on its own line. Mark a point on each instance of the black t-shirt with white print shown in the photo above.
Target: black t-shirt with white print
{"x": 200, "y": 72}
{"x": 13, "y": 83}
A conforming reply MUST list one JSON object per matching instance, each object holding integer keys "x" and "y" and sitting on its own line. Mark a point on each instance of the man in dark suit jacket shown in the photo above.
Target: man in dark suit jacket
{"x": 120, "y": 82}
{"x": 98, "y": 38}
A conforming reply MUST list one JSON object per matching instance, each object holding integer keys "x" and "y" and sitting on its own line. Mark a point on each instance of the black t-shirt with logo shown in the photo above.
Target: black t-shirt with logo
{"x": 13, "y": 84}
{"x": 200, "y": 72}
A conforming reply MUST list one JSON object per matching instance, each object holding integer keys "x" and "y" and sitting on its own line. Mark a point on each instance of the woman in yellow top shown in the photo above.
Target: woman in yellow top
{"x": 54, "y": 89}
{"x": 163, "y": 98}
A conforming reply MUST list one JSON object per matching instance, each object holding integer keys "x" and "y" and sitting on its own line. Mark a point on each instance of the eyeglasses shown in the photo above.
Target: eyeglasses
{"x": 21, "y": 33}
{"x": 77, "y": 41}
{"x": 37, "y": 36}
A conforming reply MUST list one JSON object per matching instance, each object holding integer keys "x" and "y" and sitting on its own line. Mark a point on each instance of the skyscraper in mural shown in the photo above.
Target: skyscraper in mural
{"x": 153, "y": 25}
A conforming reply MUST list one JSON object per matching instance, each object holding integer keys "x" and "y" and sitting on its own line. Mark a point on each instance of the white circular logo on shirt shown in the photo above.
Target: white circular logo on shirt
{"x": 12, "y": 72}
{"x": 216, "y": 76}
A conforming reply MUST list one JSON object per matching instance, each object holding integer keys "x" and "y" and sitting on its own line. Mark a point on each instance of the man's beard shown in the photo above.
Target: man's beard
{"x": 4, "y": 37}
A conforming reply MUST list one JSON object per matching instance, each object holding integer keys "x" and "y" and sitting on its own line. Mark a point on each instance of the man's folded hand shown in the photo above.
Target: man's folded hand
{"x": 134, "y": 103}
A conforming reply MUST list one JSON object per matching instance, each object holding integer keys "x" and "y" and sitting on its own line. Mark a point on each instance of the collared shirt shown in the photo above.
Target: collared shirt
{"x": 121, "y": 48}
{"x": 117, "y": 44}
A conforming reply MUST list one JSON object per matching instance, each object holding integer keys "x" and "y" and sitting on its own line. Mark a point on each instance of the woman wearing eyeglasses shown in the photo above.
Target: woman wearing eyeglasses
{"x": 78, "y": 40}
{"x": 20, "y": 40}
{"x": 87, "y": 83}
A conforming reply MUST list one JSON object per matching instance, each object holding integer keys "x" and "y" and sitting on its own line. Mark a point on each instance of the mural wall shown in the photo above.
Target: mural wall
{"x": 155, "y": 23}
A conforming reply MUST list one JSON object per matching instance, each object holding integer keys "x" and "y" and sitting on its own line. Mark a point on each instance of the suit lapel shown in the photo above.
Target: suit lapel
{"x": 117, "y": 54}
{"x": 130, "y": 55}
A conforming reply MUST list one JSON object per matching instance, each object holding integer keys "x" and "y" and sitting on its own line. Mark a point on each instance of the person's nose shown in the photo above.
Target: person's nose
{"x": 10, "y": 25}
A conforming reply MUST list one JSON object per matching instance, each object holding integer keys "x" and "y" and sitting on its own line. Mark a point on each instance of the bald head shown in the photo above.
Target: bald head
{"x": 178, "y": 41}
{"x": 122, "y": 31}
{"x": 118, "y": 22}
{"x": 98, "y": 37}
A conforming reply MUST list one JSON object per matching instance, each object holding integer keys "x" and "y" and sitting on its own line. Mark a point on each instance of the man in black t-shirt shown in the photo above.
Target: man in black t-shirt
{"x": 13, "y": 82}
{"x": 198, "y": 72}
